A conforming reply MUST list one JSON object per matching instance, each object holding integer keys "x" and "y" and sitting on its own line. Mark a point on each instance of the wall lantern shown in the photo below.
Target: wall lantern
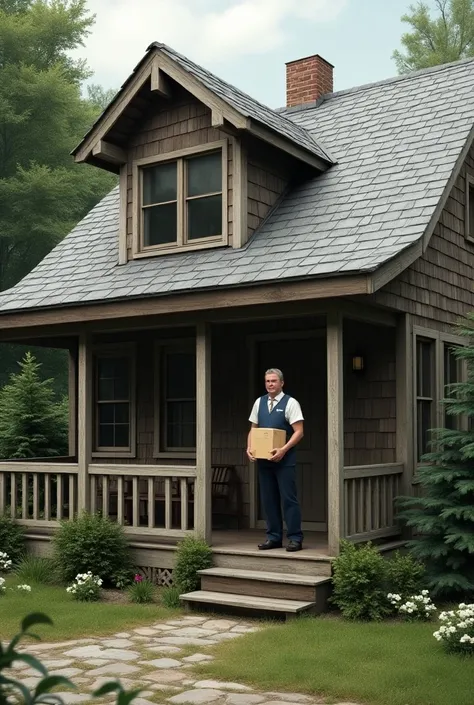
{"x": 357, "y": 363}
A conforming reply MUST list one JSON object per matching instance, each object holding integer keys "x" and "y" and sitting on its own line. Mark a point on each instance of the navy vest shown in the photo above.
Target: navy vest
{"x": 277, "y": 419}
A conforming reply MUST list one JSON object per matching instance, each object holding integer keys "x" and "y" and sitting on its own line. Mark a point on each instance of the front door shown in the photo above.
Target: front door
{"x": 302, "y": 359}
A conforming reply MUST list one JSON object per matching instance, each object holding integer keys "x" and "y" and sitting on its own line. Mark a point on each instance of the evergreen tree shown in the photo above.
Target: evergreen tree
{"x": 446, "y": 36}
{"x": 443, "y": 514}
{"x": 32, "y": 423}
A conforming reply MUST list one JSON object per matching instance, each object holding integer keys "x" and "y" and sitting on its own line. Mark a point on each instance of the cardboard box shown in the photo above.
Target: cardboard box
{"x": 264, "y": 440}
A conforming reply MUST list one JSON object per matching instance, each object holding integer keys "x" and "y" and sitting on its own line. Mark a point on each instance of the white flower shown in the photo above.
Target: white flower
{"x": 25, "y": 588}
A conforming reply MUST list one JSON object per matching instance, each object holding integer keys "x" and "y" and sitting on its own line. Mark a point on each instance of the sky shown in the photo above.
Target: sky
{"x": 247, "y": 42}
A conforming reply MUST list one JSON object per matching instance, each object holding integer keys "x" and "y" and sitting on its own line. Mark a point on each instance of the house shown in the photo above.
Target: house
{"x": 333, "y": 238}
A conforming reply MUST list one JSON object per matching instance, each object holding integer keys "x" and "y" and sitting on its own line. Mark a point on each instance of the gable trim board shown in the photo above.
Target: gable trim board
{"x": 156, "y": 63}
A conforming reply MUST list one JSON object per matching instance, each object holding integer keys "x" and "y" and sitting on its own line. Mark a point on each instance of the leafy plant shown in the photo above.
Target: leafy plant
{"x": 170, "y": 597}
{"x": 457, "y": 630}
{"x": 141, "y": 590}
{"x": 12, "y": 539}
{"x": 416, "y": 608}
{"x": 5, "y": 562}
{"x": 86, "y": 587}
{"x": 358, "y": 580}
{"x": 91, "y": 543}
{"x": 124, "y": 578}
{"x": 193, "y": 554}
{"x": 12, "y": 688}
{"x": 36, "y": 569}
{"x": 405, "y": 575}
{"x": 32, "y": 424}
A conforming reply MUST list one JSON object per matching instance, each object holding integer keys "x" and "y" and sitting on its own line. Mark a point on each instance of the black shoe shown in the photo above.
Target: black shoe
{"x": 294, "y": 546}
{"x": 269, "y": 544}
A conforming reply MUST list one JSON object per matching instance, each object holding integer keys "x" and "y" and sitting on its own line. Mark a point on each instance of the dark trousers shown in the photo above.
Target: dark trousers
{"x": 277, "y": 488}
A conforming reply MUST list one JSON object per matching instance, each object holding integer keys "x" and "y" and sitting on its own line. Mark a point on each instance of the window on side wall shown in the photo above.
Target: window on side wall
{"x": 469, "y": 213}
{"x": 425, "y": 394}
{"x": 452, "y": 374}
{"x": 114, "y": 402}
{"x": 181, "y": 201}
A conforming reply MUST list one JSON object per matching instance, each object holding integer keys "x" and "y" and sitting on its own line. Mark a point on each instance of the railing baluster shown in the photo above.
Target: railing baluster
{"x": 47, "y": 497}
{"x": 35, "y": 496}
{"x": 151, "y": 502}
{"x": 72, "y": 497}
{"x": 93, "y": 493}
{"x": 168, "y": 503}
{"x": 135, "y": 501}
{"x": 59, "y": 498}
{"x": 14, "y": 495}
{"x": 120, "y": 500}
{"x": 184, "y": 504}
{"x": 105, "y": 496}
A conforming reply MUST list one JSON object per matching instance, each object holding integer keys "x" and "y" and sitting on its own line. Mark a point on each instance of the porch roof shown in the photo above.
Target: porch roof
{"x": 396, "y": 143}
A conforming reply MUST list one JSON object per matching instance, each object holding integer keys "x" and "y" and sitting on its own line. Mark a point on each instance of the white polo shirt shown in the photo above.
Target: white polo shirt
{"x": 293, "y": 411}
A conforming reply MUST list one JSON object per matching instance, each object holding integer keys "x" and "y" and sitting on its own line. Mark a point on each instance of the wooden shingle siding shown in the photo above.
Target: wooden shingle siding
{"x": 268, "y": 175}
{"x": 187, "y": 123}
{"x": 439, "y": 287}
{"x": 369, "y": 396}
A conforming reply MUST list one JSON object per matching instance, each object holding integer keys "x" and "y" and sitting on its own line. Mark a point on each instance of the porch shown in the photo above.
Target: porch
{"x": 171, "y": 459}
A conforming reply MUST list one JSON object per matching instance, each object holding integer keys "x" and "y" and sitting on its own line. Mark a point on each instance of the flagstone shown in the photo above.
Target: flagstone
{"x": 165, "y": 649}
{"x": 114, "y": 668}
{"x": 195, "y": 632}
{"x": 221, "y": 684}
{"x": 117, "y": 643}
{"x": 220, "y": 624}
{"x": 144, "y": 631}
{"x": 197, "y": 658}
{"x": 72, "y": 698}
{"x": 244, "y": 699}
{"x": 57, "y": 663}
{"x": 97, "y": 661}
{"x": 66, "y": 672}
{"x": 165, "y": 663}
{"x": 166, "y": 676}
{"x": 196, "y": 697}
{"x": 183, "y": 641}
{"x": 123, "y": 635}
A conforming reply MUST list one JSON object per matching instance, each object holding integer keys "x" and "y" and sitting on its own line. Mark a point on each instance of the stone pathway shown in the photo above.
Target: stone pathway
{"x": 159, "y": 659}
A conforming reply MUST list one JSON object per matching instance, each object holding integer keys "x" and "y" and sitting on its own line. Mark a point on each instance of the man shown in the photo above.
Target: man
{"x": 277, "y": 477}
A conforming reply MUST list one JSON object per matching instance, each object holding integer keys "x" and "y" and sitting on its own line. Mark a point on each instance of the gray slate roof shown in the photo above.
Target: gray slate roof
{"x": 396, "y": 143}
{"x": 248, "y": 106}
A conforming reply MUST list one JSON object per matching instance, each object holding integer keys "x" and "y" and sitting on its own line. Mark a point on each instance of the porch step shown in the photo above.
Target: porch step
{"x": 259, "y": 583}
{"x": 275, "y": 561}
{"x": 246, "y": 602}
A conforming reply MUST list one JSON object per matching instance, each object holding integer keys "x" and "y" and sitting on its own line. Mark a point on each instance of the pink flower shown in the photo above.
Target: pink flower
{"x": 138, "y": 578}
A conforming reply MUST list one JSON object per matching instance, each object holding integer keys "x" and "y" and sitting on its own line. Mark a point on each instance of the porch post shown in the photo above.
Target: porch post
{"x": 404, "y": 400}
{"x": 202, "y": 508}
{"x": 335, "y": 431}
{"x": 72, "y": 393}
{"x": 84, "y": 421}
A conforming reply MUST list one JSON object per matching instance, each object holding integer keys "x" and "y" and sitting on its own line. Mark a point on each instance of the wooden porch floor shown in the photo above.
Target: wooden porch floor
{"x": 315, "y": 544}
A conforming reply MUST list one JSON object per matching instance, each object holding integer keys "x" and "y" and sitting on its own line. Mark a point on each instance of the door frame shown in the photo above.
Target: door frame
{"x": 252, "y": 341}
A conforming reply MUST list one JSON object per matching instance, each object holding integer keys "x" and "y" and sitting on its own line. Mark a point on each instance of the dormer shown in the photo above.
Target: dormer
{"x": 201, "y": 164}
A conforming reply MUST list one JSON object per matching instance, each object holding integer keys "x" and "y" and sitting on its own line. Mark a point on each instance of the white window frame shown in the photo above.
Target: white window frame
{"x": 115, "y": 350}
{"x": 181, "y": 245}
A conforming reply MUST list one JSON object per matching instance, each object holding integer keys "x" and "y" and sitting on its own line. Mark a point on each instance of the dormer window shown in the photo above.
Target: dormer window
{"x": 181, "y": 200}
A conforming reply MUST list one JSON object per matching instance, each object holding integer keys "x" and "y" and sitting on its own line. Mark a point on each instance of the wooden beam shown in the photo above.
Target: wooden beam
{"x": 240, "y": 194}
{"x": 84, "y": 419}
{"x": 218, "y": 298}
{"x": 158, "y": 82}
{"x": 123, "y": 214}
{"x": 202, "y": 505}
{"x": 217, "y": 119}
{"x": 335, "y": 443}
{"x": 109, "y": 152}
{"x": 404, "y": 400}
{"x": 72, "y": 391}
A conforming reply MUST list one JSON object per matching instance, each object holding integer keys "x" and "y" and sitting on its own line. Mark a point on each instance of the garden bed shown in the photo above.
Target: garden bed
{"x": 388, "y": 663}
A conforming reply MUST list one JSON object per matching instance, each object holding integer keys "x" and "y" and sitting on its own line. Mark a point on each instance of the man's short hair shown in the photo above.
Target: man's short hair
{"x": 275, "y": 371}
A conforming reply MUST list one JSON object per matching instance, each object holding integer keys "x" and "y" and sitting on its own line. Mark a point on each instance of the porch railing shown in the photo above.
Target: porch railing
{"x": 147, "y": 499}
{"x": 369, "y": 495}
{"x": 38, "y": 493}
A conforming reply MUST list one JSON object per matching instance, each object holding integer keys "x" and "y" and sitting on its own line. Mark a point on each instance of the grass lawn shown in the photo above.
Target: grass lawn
{"x": 391, "y": 663}
{"x": 72, "y": 619}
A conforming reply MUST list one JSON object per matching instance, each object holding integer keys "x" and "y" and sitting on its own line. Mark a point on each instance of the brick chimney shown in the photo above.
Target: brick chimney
{"x": 307, "y": 79}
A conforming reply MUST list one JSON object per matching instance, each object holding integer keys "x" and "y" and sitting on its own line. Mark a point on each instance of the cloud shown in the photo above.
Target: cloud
{"x": 207, "y": 31}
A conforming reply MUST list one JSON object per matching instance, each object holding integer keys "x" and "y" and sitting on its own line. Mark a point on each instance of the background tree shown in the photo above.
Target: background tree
{"x": 436, "y": 38}
{"x": 32, "y": 424}
{"x": 443, "y": 514}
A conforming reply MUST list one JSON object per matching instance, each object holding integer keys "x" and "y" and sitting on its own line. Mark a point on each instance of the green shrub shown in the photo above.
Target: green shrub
{"x": 170, "y": 597}
{"x": 359, "y": 582}
{"x": 404, "y": 575}
{"x": 91, "y": 543}
{"x": 141, "y": 590}
{"x": 34, "y": 569}
{"x": 192, "y": 555}
{"x": 12, "y": 539}
{"x": 86, "y": 587}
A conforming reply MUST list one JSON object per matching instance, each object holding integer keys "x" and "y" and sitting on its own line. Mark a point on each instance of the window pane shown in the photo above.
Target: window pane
{"x": 204, "y": 217}
{"x": 181, "y": 375}
{"x": 121, "y": 413}
{"x": 113, "y": 378}
{"x": 181, "y": 424}
{"x": 159, "y": 225}
{"x": 159, "y": 184}
{"x": 452, "y": 375}
{"x": 106, "y": 436}
{"x": 424, "y": 382}
{"x": 204, "y": 174}
{"x": 121, "y": 436}
{"x": 106, "y": 413}
{"x": 424, "y": 419}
